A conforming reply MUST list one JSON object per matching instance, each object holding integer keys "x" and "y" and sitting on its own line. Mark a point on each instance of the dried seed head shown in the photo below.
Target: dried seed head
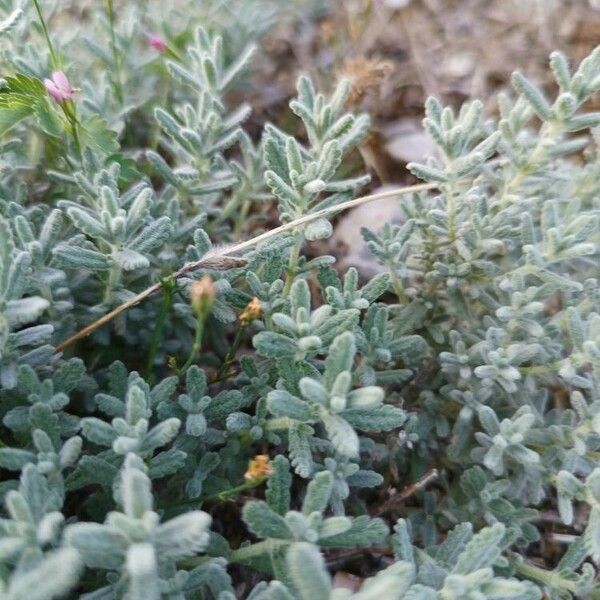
{"x": 259, "y": 468}
{"x": 252, "y": 311}
{"x": 223, "y": 263}
{"x": 202, "y": 296}
{"x": 215, "y": 259}
{"x": 365, "y": 75}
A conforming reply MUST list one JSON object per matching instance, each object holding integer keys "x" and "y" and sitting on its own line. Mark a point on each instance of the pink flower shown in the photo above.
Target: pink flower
{"x": 157, "y": 42}
{"x": 58, "y": 87}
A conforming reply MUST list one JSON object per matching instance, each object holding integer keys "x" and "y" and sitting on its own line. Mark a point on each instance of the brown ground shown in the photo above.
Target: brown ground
{"x": 454, "y": 49}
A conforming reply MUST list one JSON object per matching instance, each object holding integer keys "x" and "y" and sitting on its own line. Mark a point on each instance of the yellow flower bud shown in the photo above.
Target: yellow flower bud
{"x": 259, "y": 468}
{"x": 202, "y": 296}
{"x": 251, "y": 312}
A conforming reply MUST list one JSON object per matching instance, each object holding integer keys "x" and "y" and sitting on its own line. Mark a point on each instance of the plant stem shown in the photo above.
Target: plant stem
{"x": 406, "y": 493}
{"x": 200, "y": 322}
{"x": 541, "y": 369}
{"x": 223, "y": 495}
{"x": 279, "y": 423}
{"x": 243, "y": 554}
{"x": 241, "y": 219}
{"x": 163, "y": 95}
{"x": 228, "y": 360}
{"x": 53, "y": 55}
{"x": 231, "y": 206}
{"x": 259, "y": 549}
{"x": 549, "y": 578}
{"x": 110, "y": 11}
{"x": 548, "y": 133}
{"x": 292, "y": 267}
{"x": 247, "y": 485}
{"x": 168, "y": 286}
{"x": 397, "y": 285}
{"x": 452, "y": 195}
{"x": 113, "y": 279}
{"x": 70, "y": 111}
{"x": 74, "y": 126}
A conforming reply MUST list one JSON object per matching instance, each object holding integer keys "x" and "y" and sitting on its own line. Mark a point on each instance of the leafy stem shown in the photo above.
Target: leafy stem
{"x": 241, "y": 218}
{"x": 70, "y": 112}
{"x": 223, "y": 495}
{"x": 234, "y": 491}
{"x": 200, "y": 323}
{"x": 549, "y": 578}
{"x": 168, "y": 286}
{"x": 243, "y": 554}
{"x": 230, "y": 356}
{"x": 112, "y": 282}
{"x": 53, "y": 55}
{"x": 292, "y": 268}
{"x": 549, "y": 133}
{"x": 397, "y": 285}
{"x": 254, "y": 550}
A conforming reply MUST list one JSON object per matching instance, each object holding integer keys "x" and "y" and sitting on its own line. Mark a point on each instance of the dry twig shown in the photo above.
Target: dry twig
{"x": 234, "y": 249}
{"x": 406, "y": 493}
{"x": 338, "y": 559}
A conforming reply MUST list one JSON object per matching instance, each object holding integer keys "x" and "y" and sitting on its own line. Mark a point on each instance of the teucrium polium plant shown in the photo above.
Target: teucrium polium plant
{"x": 439, "y": 421}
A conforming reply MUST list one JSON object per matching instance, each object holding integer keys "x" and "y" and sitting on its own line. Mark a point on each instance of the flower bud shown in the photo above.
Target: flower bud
{"x": 59, "y": 88}
{"x": 202, "y": 296}
{"x": 157, "y": 42}
{"x": 259, "y": 468}
{"x": 252, "y": 311}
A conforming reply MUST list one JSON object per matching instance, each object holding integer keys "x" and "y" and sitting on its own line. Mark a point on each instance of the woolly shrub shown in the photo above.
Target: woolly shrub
{"x": 260, "y": 416}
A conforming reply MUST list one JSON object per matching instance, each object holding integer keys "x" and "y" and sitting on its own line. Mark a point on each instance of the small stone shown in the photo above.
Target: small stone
{"x": 347, "y": 241}
{"x": 408, "y": 141}
{"x": 459, "y": 64}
